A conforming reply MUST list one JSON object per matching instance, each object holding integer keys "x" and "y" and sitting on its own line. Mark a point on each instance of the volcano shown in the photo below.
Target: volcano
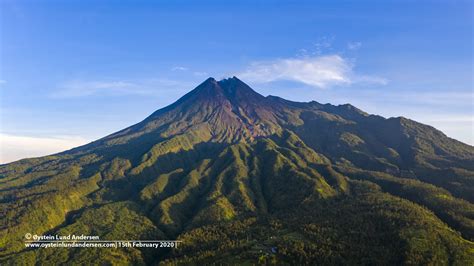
{"x": 239, "y": 178}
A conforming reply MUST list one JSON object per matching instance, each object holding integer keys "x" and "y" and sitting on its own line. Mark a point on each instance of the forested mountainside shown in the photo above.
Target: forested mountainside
{"x": 243, "y": 178}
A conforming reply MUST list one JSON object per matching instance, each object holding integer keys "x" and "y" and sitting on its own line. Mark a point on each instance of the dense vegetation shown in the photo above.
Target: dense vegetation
{"x": 242, "y": 178}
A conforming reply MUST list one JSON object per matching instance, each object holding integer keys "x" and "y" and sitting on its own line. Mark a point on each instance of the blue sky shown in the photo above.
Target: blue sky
{"x": 75, "y": 71}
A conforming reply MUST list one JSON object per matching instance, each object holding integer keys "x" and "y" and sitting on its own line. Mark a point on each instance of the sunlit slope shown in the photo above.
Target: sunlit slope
{"x": 233, "y": 173}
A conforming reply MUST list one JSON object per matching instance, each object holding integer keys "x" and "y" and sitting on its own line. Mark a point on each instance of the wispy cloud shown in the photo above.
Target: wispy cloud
{"x": 322, "y": 45}
{"x": 179, "y": 68}
{"x": 446, "y": 99}
{"x": 79, "y": 88}
{"x": 458, "y": 126}
{"x": 317, "y": 71}
{"x": 356, "y": 78}
{"x": 453, "y": 98}
{"x": 2, "y": 81}
{"x": 450, "y": 119}
{"x": 13, "y": 147}
{"x": 200, "y": 74}
{"x": 354, "y": 45}
{"x": 83, "y": 88}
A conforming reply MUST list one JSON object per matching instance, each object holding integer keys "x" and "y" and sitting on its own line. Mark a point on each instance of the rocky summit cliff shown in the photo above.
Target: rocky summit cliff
{"x": 243, "y": 178}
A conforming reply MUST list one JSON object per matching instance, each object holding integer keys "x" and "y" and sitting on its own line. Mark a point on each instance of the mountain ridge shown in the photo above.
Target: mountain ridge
{"x": 225, "y": 168}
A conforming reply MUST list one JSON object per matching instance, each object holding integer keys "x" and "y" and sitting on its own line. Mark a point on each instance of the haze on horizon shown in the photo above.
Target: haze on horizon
{"x": 74, "y": 72}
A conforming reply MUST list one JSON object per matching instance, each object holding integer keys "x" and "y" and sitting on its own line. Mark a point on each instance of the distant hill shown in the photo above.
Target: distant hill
{"x": 242, "y": 178}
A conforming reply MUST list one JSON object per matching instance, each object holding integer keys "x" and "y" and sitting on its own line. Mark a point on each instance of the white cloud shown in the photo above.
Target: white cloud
{"x": 316, "y": 71}
{"x": 179, "y": 68}
{"x": 354, "y": 45}
{"x": 2, "y": 81}
{"x": 14, "y": 147}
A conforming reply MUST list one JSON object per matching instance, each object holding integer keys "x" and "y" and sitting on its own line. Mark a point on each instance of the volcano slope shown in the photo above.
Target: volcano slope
{"x": 243, "y": 178}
